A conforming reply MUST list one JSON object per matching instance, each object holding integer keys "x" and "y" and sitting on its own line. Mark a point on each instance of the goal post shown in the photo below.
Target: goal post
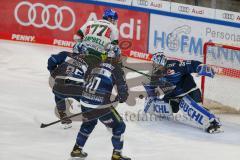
{"x": 225, "y": 59}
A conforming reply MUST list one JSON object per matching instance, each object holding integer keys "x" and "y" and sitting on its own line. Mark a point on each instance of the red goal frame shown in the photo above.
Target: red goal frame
{"x": 224, "y": 71}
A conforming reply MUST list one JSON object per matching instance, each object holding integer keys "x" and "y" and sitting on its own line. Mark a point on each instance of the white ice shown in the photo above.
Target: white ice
{"x": 26, "y": 100}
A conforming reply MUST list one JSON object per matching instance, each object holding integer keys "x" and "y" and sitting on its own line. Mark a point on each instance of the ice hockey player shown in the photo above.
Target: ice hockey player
{"x": 96, "y": 96}
{"x": 96, "y": 35}
{"x": 173, "y": 79}
{"x": 67, "y": 70}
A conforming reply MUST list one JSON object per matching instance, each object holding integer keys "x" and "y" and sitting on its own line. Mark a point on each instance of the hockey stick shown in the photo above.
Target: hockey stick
{"x": 147, "y": 75}
{"x": 44, "y": 125}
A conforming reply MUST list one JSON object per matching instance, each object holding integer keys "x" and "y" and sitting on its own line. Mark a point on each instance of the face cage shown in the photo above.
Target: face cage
{"x": 114, "y": 22}
{"x": 158, "y": 66}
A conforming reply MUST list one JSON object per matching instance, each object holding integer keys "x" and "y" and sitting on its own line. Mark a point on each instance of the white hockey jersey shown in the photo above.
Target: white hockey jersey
{"x": 97, "y": 34}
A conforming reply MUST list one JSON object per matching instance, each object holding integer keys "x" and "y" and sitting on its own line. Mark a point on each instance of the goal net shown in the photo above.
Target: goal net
{"x": 222, "y": 93}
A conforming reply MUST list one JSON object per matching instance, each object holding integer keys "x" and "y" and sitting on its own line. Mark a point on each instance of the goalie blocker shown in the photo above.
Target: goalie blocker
{"x": 196, "y": 113}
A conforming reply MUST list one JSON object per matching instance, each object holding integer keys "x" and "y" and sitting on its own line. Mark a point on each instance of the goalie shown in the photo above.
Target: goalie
{"x": 173, "y": 80}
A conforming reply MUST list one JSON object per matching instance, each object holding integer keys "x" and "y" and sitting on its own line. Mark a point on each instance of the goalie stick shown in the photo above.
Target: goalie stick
{"x": 147, "y": 75}
{"x": 163, "y": 84}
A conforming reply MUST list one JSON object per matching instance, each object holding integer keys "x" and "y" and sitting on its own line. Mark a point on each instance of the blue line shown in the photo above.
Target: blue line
{"x": 164, "y": 13}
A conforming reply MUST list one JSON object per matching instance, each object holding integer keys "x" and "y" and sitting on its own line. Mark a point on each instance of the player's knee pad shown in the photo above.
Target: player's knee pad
{"x": 198, "y": 114}
{"x": 85, "y": 130}
{"x": 63, "y": 103}
{"x": 119, "y": 129}
{"x": 60, "y": 103}
{"x": 87, "y": 127}
{"x": 156, "y": 106}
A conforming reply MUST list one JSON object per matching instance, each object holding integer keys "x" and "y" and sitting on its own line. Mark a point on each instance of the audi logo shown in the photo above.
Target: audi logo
{"x": 228, "y": 16}
{"x": 45, "y": 16}
{"x": 184, "y": 9}
{"x": 142, "y": 2}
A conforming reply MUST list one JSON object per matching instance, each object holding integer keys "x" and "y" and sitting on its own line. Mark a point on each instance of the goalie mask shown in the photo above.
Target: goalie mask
{"x": 160, "y": 59}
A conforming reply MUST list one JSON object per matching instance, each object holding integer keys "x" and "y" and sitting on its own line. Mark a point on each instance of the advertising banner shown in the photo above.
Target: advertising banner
{"x": 192, "y": 10}
{"x": 184, "y": 39}
{"x": 123, "y": 2}
{"x": 228, "y": 16}
{"x": 153, "y": 4}
{"x": 55, "y": 22}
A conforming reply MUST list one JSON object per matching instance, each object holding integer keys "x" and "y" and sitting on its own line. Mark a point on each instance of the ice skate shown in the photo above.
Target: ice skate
{"x": 215, "y": 127}
{"x": 65, "y": 121}
{"x": 118, "y": 156}
{"x": 77, "y": 153}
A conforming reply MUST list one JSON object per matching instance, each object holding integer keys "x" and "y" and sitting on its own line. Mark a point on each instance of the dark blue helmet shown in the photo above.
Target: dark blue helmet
{"x": 109, "y": 13}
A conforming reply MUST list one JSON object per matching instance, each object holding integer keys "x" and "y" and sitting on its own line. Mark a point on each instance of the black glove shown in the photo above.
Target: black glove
{"x": 122, "y": 93}
{"x": 123, "y": 97}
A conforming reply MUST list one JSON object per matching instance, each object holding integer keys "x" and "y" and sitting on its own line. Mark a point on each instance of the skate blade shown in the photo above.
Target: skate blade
{"x": 217, "y": 131}
{"x": 66, "y": 126}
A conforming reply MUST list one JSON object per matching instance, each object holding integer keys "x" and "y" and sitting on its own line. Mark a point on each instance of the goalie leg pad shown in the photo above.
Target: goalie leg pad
{"x": 154, "y": 105}
{"x": 198, "y": 114}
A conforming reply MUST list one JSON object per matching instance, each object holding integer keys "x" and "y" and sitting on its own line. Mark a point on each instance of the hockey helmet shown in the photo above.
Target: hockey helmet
{"x": 159, "y": 58}
{"x": 80, "y": 48}
{"x": 112, "y": 52}
{"x": 110, "y": 14}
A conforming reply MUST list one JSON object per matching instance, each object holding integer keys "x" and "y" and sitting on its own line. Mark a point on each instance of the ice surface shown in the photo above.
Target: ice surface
{"x": 25, "y": 100}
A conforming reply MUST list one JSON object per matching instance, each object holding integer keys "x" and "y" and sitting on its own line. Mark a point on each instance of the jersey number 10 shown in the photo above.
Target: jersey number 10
{"x": 93, "y": 84}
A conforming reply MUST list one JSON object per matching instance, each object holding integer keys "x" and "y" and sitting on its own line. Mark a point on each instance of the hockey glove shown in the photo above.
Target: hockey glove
{"x": 205, "y": 70}
{"x": 150, "y": 89}
{"x": 122, "y": 93}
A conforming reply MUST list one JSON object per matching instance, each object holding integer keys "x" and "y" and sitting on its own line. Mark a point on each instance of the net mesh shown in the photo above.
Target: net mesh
{"x": 222, "y": 93}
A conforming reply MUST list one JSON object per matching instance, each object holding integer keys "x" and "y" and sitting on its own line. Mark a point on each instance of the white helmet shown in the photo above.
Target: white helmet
{"x": 159, "y": 58}
{"x": 113, "y": 51}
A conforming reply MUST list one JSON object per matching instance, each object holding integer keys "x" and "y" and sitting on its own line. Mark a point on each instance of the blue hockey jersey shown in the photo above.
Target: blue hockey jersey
{"x": 178, "y": 73}
{"x": 100, "y": 83}
{"x": 69, "y": 71}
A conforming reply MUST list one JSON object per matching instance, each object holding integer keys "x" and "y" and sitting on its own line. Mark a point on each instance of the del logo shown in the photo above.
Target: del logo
{"x": 191, "y": 112}
{"x": 108, "y": 121}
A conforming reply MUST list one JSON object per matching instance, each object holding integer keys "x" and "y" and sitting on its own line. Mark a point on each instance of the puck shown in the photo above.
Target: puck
{"x": 141, "y": 96}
